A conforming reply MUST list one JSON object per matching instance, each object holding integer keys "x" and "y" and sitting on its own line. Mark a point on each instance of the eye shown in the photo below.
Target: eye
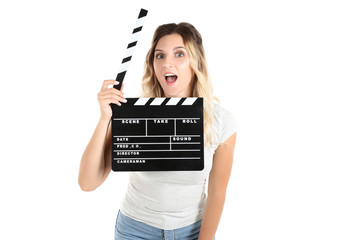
{"x": 179, "y": 54}
{"x": 159, "y": 56}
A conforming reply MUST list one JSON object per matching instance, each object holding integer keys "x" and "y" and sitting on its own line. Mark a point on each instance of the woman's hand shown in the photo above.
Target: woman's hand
{"x": 106, "y": 96}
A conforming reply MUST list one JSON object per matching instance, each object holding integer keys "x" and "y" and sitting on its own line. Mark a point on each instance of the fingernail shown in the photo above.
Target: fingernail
{"x": 116, "y": 82}
{"x": 125, "y": 100}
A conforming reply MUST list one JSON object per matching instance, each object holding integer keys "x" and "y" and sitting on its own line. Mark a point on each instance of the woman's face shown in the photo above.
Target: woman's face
{"x": 172, "y": 66}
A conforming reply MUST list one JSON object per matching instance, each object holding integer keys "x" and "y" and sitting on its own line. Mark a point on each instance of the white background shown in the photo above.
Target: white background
{"x": 288, "y": 71}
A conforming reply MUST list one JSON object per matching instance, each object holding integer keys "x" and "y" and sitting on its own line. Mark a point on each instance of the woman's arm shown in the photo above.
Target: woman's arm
{"x": 218, "y": 181}
{"x": 95, "y": 163}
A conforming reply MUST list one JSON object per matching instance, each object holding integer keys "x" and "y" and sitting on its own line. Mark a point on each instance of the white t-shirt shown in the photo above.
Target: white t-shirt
{"x": 171, "y": 200}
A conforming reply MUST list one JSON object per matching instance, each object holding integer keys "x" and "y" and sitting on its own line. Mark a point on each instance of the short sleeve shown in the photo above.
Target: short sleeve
{"x": 228, "y": 125}
{"x": 224, "y": 125}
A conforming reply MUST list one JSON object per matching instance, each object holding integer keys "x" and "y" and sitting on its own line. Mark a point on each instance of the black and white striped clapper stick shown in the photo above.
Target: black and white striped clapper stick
{"x": 131, "y": 47}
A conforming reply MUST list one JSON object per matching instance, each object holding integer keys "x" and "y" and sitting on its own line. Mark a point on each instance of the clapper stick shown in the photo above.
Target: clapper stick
{"x": 131, "y": 47}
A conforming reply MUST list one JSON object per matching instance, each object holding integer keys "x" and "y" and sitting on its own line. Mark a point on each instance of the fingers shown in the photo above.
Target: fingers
{"x": 108, "y": 100}
{"x": 111, "y": 95}
{"x": 106, "y": 84}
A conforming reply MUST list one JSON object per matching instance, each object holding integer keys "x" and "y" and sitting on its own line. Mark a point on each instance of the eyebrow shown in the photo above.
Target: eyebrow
{"x": 160, "y": 50}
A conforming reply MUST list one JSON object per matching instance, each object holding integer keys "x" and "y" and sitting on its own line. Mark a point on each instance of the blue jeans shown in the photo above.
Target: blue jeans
{"x": 129, "y": 229}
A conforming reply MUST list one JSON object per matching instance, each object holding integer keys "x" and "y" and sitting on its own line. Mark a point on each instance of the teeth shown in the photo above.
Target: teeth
{"x": 169, "y": 75}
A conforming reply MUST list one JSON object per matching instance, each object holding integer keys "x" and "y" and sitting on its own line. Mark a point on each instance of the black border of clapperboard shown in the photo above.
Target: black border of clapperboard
{"x": 129, "y": 110}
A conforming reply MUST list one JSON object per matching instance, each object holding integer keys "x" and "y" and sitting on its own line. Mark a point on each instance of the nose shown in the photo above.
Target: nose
{"x": 168, "y": 63}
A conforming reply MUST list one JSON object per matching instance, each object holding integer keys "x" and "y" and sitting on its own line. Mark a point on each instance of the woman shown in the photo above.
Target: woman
{"x": 168, "y": 205}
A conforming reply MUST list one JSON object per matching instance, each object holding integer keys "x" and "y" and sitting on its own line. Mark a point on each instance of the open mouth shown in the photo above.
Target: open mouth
{"x": 169, "y": 77}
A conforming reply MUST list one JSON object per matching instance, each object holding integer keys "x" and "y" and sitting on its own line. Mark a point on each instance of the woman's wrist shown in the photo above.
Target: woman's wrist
{"x": 104, "y": 120}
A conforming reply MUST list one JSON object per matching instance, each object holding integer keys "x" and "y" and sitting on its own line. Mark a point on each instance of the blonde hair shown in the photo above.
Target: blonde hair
{"x": 202, "y": 86}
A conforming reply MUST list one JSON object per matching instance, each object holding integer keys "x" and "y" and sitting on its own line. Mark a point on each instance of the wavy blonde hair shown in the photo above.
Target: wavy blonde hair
{"x": 202, "y": 86}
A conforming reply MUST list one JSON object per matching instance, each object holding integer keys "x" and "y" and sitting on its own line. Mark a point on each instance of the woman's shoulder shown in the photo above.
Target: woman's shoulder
{"x": 221, "y": 112}
{"x": 224, "y": 122}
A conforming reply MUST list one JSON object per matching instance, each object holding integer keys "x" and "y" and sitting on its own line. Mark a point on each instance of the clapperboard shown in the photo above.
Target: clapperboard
{"x": 158, "y": 134}
{"x": 155, "y": 134}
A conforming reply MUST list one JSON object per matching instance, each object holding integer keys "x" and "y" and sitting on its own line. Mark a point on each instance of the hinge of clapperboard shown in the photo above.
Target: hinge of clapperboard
{"x": 131, "y": 47}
